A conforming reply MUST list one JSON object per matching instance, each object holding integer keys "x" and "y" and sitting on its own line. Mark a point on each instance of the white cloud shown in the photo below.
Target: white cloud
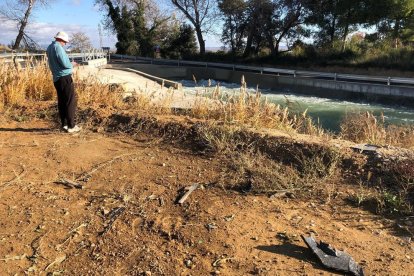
{"x": 43, "y": 32}
{"x": 8, "y": 30}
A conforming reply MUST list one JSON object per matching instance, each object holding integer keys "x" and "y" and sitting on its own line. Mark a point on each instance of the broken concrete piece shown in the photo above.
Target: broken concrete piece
{"x": 332, "y": 258}
{"x": 365, "y": 148}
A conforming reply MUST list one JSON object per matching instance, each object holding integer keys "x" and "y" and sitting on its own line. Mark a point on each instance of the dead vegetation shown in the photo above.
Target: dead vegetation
{"x": 224, "y": 124}
{"x": 117, "y": 213}
{"x": 367, "y": 128}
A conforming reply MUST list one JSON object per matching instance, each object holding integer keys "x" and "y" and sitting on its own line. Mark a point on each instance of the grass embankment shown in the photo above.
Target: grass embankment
{"x": 232, "y": 126}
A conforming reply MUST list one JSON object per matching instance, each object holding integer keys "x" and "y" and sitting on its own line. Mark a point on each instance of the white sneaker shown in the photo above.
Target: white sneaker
{"x": 74, "y": 129}
{"x": 65, "y": 128}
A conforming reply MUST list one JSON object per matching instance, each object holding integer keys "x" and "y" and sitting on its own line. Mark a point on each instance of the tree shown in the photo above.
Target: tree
{"x": 139, "y": 25}
{"x": 20, "y": 12}
{"x": 234, "y": 28}
{"x": 269, "y": 22}
{"x": 80, "y": 41}
{"x": 199, "y": 13}
{"x": 285, "y": 19}
{"x": 335, "y": 19}
{"x": 398, "y": 21}
{"x": 181, "y": 44}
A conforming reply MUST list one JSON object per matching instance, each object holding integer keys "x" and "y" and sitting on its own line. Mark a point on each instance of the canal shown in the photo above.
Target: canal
{"x": 328, "y": 112}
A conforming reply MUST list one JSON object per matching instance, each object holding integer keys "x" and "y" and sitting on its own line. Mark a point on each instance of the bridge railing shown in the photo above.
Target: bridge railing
{"x": 275, "y": 71}
{"x": 86, "y": 55}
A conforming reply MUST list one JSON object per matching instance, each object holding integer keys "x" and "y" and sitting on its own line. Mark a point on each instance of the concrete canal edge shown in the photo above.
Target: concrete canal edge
{"x": 335, "y": 89}
{"x": 162, "y": 81}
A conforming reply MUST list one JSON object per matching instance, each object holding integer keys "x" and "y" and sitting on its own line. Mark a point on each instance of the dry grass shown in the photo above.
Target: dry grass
{"x": 243, "y": 109}
{"x": 251, "y": 170}
{"x": 254, "y": 172}
{"x": 251, "y": 109}
{"x": 367, "y": 128}
{"x": 19, "y": 84}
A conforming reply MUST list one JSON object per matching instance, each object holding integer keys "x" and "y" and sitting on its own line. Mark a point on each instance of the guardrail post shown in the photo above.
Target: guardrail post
{"x": 261, "y": 71}
{"x": 234, "y": 67}
{"x": 336, "y": 76}
{"x": 178, "y": 63}
{"x": 294, "y": 73}
{"x": 389, "y": 81}
{"x": 206, "y": 64}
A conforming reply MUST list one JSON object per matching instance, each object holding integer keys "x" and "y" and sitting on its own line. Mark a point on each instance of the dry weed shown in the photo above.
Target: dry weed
{"x": 318, "y": 164}
{"x": 254, "y": 172}
{"x": 365, "y": 127}
{"x": 218, "y": 138}
{"x": 250, "y": 109}
{"x": 19, "y": 84}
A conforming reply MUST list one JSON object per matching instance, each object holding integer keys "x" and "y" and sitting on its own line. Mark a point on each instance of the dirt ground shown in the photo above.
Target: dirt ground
{"x": 125, "y": 220}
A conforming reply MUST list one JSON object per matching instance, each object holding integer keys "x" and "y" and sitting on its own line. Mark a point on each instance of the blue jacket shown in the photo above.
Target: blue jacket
{"x": 59, "y": 62}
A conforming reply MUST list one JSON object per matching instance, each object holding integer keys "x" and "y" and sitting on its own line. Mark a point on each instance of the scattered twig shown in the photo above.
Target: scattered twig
{"x": 13, "y": 258}
{"x": 57, "y": 261}
{"x": 71, "y": 234}
{"x": 69, "y": 183}
{"x": 85, "y": 176}
{"x": 220, "y": 261}
{"x": 15, "y": 179}
{"x": 113, "y": 215}
{"x": 189, "y": 190}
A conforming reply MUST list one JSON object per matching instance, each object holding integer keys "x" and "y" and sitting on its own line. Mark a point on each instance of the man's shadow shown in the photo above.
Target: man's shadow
{"x": 19, "y": 129}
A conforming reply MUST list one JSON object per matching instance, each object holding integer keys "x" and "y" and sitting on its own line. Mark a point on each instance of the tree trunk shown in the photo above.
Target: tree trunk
{"x": 23, "y": 24}
{"x": 275, "y": 50}
{"x": 332, "y": 31}
{"x": 396, "y": 32}
{"x": 249, "y": 43}
{"x": 201, "y": 41}
{"x": 344, "y": 37}
{"x": 346, "y": 31}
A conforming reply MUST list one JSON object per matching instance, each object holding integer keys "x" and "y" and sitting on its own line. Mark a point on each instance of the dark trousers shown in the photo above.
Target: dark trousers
{"x": 67, "y": 100}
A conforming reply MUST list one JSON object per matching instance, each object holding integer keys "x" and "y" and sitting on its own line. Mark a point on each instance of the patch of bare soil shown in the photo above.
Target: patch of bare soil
{"x": 125, "y": 220}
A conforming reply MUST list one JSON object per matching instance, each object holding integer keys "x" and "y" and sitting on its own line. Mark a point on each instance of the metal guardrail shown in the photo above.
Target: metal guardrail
{"x": 86, "y": 55}
{"x": 277, "y": 71}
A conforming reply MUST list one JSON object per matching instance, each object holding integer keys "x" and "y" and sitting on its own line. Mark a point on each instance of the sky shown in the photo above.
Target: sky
{"x": 70, "y": 16}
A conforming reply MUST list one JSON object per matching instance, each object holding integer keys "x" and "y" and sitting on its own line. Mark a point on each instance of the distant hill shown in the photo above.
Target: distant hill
{"x": 215, "y": 49}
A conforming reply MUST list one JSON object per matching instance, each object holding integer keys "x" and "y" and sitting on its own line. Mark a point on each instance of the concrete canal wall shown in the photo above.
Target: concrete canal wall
{"x": 371, "y": 92}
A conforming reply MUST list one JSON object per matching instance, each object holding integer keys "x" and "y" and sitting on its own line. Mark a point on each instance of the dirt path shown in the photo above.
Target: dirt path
{"x": 125, "y": 220}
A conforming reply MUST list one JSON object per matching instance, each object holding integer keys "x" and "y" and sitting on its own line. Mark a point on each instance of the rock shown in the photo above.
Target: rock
{"x": 188, "y": 263}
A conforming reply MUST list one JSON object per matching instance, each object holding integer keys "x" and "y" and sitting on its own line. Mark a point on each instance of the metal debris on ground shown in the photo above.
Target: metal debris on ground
{"x": 211, "y": 226}
{"x": 69, "y": 183}
{"x": 113, "y": 215}
{"x": 333, "y": 258}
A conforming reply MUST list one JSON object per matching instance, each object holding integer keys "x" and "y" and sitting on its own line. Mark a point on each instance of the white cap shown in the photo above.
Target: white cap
{"x": 62, "y": 35}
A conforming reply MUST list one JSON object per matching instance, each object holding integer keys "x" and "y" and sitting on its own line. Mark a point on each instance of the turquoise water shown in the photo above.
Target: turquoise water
{"x": 328, "y": 112}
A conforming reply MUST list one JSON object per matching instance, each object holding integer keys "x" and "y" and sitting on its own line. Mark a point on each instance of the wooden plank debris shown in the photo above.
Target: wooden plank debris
{"x": 188, "y": 190}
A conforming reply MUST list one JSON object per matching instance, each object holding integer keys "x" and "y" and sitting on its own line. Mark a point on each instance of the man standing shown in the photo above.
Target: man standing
{"x": 62, "y": 68}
